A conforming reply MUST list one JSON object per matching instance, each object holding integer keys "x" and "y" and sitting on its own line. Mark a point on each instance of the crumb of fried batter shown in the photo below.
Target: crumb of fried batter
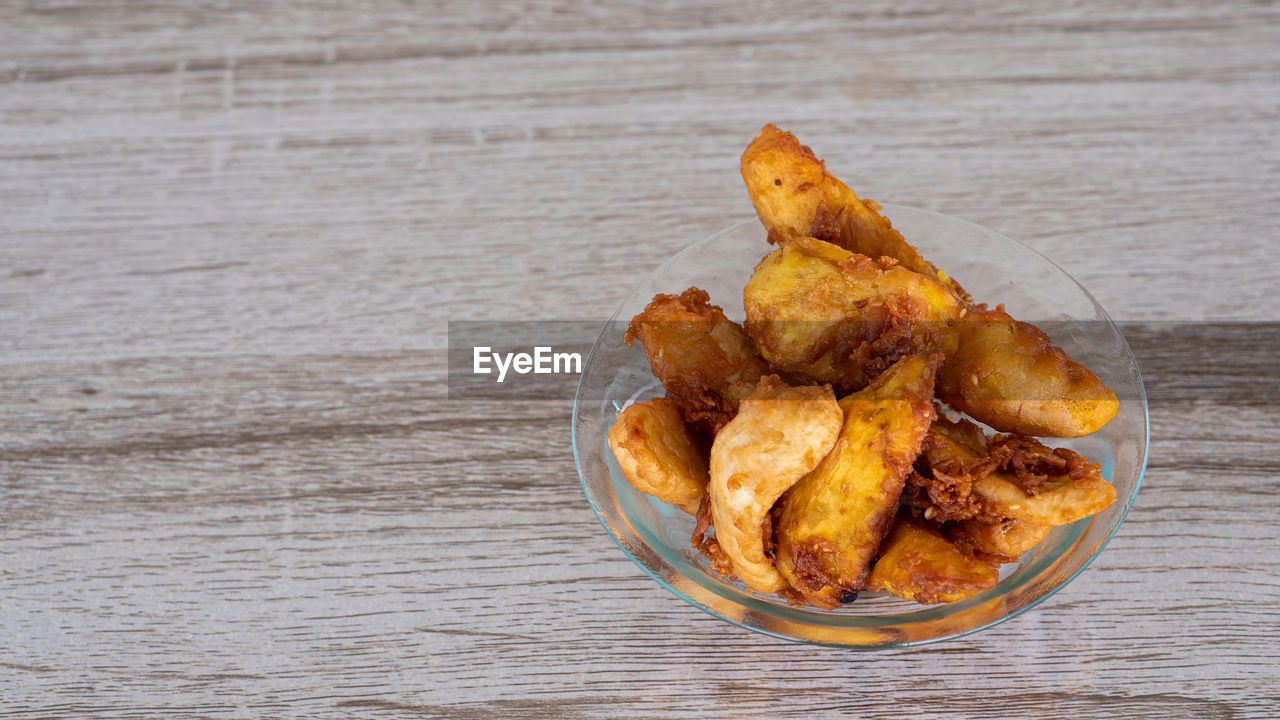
{"x": 948, "y": 498}
{"x": 793, "y": 597}
{"x": 810, "y": 573}
{"x": 707, "y": 546}
{"x": 946, "y": 488}
{"x": 1027, "y": 458}
{"x": 1079, "y": 469}
{"x": 766, "y": 534}
{"x": 1032, "y": 463}
{"x": 825, "y": 226}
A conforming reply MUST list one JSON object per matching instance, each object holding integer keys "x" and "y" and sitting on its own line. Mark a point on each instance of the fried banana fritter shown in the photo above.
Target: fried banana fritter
{"x": 998, "y": 542}
{"x": 658, "y": 454}
{"x": 1012, "y": 477}
{"x": 1007, "y": 374}
{"x": 1063, "y": 500}
{"x": 917, "y": 563}
{"x": 830, "y": 523}
{"x": 779, "y": 434}
{"x": 795, "y": 196}
{"x": 823, "y": 313}
{"x": 704, "y": 360}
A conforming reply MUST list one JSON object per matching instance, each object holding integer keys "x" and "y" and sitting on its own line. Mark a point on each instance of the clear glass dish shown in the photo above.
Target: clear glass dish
{"x": 994, "y": 269}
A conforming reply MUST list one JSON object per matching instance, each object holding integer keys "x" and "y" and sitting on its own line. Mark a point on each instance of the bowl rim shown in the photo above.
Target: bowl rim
{"x": 888, "y": 209}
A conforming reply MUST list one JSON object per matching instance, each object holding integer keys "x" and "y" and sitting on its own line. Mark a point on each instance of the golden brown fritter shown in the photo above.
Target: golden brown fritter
{"x": 704, "y": 360}
{"x": 1010, "y": 477}
{"x": 779, "y": 434}
{"x": 997, "y": 542}
{"x": 830, "y": 523}
{"x": 1008, "y": 375}
{"x": 1004, "y": 373}
{"x": 820, "y": 312}
{"x": 917, "y": 563}
{"x": 1064, "y": 499}
{"x": 794, "y": 196}
{"x": 658, "y": 454}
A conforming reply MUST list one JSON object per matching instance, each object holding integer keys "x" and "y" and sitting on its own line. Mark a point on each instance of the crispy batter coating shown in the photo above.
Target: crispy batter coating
{"x": 953, "y": 457}
{"x": 794, "y": 196}
{"x": 1063, "y": 500}
{"x": 998, "y": 542}
{"x": 658, "y": 454}
{"x": 1006, "y": 478}
{"x": 1007, "y": 374}
{"x": 707, "y": 545}
{"x": 832, "y": 521}
{"x": 917, "y": 563}
{"x": 704, "y": 360}
{"x": 828, "y": 315}
{"x": 779, "y": 434}
{"x": 962, "y": 431}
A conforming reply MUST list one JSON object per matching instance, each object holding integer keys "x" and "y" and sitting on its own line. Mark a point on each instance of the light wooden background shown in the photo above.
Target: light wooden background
{"x": 232, "y": 234}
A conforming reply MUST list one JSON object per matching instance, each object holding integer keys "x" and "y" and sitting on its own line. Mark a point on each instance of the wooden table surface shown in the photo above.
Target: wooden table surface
{"x": 232, "y": 235}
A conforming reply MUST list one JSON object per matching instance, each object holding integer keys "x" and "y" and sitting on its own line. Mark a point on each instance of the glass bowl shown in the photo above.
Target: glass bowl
{"x": 994, "y": 269}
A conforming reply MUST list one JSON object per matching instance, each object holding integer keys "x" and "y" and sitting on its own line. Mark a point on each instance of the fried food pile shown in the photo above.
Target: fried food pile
{"x": 821, "y": 441}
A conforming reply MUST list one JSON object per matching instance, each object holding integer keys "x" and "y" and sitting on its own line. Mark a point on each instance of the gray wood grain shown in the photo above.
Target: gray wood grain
{"x": 232, "y": 235}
